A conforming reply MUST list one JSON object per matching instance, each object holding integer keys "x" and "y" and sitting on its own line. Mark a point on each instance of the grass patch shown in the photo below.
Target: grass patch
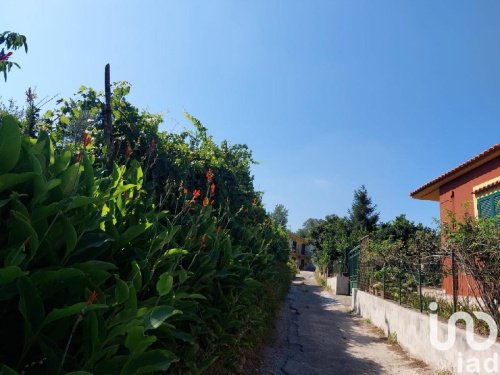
{"x": 393, "y": 338}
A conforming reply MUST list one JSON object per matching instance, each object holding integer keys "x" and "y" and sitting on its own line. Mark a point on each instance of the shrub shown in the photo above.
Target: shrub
{"x": 98, "y": 276}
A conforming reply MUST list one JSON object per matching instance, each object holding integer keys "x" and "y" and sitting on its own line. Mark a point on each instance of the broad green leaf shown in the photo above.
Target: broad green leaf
{"x": 184, "y": 336}
{"x": 51, "y": 184}
{"x": 164, "y": 284}
{"x": 10, "y": 143}
{"x": 15, "y": 257}
{"x": 47, "y": 147}
{"x": 89, "y": 240}
{"x": 69, "y": 181}
{"x": 61, "y": 162}
{"x": 121, "y": 290}
{"x": 122, "y": 189}
{"x": 136, "y": 276}
{"x": 88, "y": 174}
{"x": 137, "y": 341}
{"x": 176, "y": 251}
{"x": 9, "y": 274}
{"x": 150, "y": 361}
{"x": 64, "y": 120}
{"x": 252, "y": 283}
{"x": 73, "y": 310}
{"x": 20, "y": 230}
{"x": 157, "y": 315}
{"x": 70, "y": 235}
{"x": 6, "y": 370}
{"x": 30, "y": 305}
{"x": 133, "y": 232}
{"x": 80, "y": 201}
{"x": 9, "y": 180}
{"x": 183, "y": 275}
{"x": 45, "y": 278}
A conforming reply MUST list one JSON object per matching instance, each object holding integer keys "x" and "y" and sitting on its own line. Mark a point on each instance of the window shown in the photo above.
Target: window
{"x": 489, "y": 206}
{"x": 294, "y": 245}
{"x": 303, "y": 249}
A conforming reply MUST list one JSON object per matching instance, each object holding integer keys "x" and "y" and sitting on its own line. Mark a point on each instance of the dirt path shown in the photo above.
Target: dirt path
{"x": 316, "y": 335}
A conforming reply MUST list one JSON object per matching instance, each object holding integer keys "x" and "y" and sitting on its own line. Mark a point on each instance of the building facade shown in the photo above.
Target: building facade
{"x": 300, "y": 251}
{"x": 472, "y": 188}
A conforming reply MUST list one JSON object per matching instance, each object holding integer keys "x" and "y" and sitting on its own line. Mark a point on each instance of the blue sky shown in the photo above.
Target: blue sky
{"x": 328, "y": 94}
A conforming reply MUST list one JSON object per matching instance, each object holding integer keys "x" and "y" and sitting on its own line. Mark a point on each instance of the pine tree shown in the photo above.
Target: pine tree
{"x": 362, "y": 215}
{"x": 280, "y": 215}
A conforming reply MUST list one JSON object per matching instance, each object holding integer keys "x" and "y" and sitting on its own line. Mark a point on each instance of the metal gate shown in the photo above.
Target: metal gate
{"x": 353, "y": 262}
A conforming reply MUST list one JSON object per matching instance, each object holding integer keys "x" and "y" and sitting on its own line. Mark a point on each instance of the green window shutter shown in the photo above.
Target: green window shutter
{"x": 489, "y": 206}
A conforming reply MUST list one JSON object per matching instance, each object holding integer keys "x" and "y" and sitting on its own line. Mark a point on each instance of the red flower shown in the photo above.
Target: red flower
{"x": 92, "y": 297}
{"x": 205, "y": 202}
{"x": 128, "y": 151}
{"x": 212, "y": 189}
{"x": 30, "y": 95}
{"x": 210, "y": 175}
{"x": 5, "y": 57}
{"x": 196, "y": 194}
{"x": 78, "y": 157}
{"x": 86, "y": 139}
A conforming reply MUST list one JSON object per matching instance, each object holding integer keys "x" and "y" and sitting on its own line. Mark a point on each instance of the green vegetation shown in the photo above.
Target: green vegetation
{"x": 10, "y": 42}
{"x": 155, "y": 255}
{"x": 334, "y": 236}
{"x": 280, "y": 215}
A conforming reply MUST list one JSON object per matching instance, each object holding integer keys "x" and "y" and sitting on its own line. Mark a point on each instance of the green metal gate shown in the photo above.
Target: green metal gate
{"x": 353, "y": 262}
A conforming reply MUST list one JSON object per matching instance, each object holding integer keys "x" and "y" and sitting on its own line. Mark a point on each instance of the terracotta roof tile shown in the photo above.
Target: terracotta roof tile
{"x": 465, "y": 164}
{"x": 486, "y": 187}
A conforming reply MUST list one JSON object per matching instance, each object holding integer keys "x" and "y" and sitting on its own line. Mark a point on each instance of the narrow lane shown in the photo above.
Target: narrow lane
{"x": 317, "y": 335}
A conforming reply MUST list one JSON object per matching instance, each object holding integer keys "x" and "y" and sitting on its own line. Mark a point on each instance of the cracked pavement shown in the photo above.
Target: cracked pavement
{"x": 317, "y": 335}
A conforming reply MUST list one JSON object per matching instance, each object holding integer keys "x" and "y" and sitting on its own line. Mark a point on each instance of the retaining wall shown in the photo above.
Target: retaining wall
{"x": 338, "y": 284}
{"x": 413, "y": 334}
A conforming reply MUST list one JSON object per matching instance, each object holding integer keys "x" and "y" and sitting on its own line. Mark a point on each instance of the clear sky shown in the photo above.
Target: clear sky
{"x": 328, "y": 94}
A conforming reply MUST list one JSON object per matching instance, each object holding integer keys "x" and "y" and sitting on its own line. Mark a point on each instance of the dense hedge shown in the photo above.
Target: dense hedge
{"x": 156, "y": 257}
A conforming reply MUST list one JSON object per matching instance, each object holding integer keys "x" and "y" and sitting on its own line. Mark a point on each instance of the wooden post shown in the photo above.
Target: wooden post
{"x": 108, "y": 125}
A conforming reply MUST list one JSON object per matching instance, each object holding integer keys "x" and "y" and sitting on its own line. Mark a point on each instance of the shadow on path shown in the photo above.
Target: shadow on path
{"x": 314, "y": 334}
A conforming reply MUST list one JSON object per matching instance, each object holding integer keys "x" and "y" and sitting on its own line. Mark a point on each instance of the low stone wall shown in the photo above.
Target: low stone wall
{"x": 338, "y": 284}
{"x": 412, "y": 329}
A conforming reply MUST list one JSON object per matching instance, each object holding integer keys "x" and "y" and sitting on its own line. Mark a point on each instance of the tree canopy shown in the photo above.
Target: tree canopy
{"x": 280, "y": 215}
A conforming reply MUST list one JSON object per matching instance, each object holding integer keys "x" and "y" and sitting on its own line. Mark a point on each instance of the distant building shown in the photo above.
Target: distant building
{"x": 472, "y": 188}
{"x": 300, "y": 251}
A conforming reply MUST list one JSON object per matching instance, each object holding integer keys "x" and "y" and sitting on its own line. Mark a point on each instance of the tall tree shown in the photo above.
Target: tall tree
{"x": 280, "y": 215}
{"x": 363, "y": 215}
{"x": 307, "y": 227}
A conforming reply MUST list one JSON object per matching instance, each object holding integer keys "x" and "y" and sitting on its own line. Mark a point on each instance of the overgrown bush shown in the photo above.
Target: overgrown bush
{"x": 161, "y": 257}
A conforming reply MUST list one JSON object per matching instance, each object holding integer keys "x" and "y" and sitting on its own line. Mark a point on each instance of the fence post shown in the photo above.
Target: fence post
{"x": 420, "y": 284}
{"x": 400, "y": 273}
{"x": 454, "y": 280}
{"x": 383, "y": 284}
{"x": 108, "y": 125}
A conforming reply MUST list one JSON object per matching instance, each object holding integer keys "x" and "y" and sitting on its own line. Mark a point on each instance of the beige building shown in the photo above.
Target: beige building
{"x": 300, "y": 251}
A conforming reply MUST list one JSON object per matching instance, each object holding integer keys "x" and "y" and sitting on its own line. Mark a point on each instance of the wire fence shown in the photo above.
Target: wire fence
{"x": 412, "y": 282}
{"x": 415, "y": 279}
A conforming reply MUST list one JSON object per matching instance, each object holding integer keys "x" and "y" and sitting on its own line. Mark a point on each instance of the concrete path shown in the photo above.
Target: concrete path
{"x": 317, "y": 335}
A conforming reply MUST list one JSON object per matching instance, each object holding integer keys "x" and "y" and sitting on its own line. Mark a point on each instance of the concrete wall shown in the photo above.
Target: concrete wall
{"x": 338, "y": 284}
{"x": 413, "y": 334}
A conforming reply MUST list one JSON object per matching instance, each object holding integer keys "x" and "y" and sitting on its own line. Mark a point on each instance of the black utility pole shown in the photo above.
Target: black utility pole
{"x": 108, "y": 125}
